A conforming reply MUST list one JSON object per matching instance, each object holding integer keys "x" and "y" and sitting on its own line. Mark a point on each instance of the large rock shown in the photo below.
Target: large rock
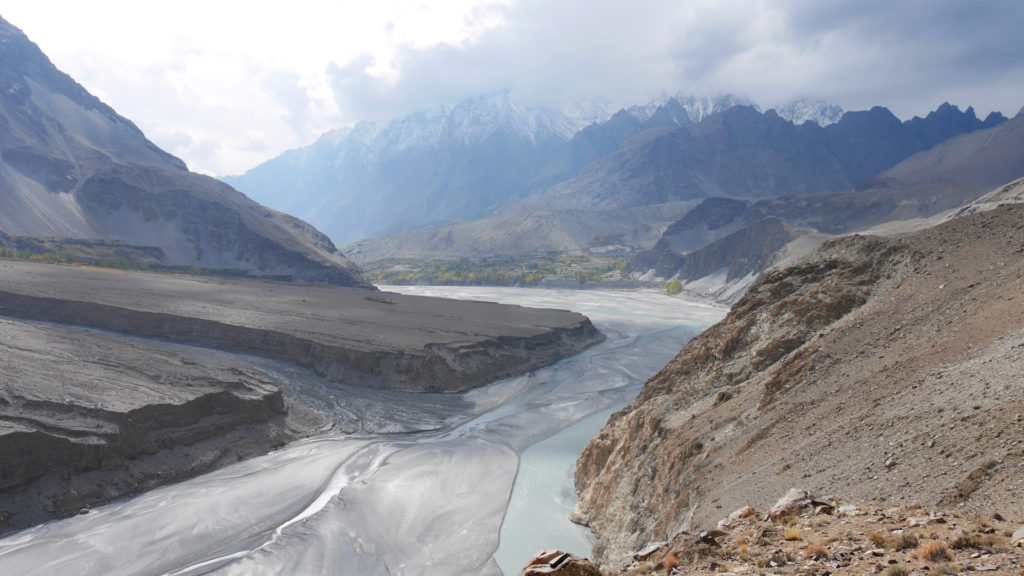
{"x": 561, "y": 564}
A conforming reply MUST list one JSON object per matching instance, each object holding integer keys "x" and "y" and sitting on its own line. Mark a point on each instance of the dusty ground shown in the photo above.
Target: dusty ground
{"x": 856, "y": 540}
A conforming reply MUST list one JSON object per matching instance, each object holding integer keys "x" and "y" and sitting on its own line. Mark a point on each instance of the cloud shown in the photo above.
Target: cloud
{"x": 910, "y": 56}
{"x": 247, "y": 84}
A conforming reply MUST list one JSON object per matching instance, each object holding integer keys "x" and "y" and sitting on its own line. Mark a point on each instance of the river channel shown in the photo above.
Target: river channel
{"x": 411, "y": 484}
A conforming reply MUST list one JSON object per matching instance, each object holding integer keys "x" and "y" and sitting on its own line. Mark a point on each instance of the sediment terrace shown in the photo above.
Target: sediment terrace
{"x": 345, "y": 334}
{"x": 94, "y": 404}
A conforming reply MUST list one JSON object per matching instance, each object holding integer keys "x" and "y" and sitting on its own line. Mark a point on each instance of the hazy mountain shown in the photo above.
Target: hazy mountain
{"x": 742, "y": 153}
{"x": 446, "y": 165}
{"x": 72, "y": 167}
{"x": 433, "y": 167}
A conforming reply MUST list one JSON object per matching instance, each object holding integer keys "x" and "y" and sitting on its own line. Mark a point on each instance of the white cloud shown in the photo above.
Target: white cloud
{"x": 247, "y": 80}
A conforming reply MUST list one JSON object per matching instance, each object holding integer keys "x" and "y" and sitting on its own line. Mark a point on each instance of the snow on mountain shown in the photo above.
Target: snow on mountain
{"x": 697, "y": 107}
{"x": 810, "y": 110}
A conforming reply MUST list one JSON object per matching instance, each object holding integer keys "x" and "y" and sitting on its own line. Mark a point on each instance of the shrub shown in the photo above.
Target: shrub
{"x": 904, "y": 542}
{"x": 674, "y": 287}
{"x": 816, "y": 552}
{"x": 793, "y": 534}
{"x": 934, "y": 551}
{"x": 670, "y": 562}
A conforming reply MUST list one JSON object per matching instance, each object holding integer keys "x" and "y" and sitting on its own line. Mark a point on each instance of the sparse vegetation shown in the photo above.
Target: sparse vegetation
{"x": 904, "y": 541}
{"x": 815, "y": 551}
{"x": 670, "y": 562}
{"x": 933, "y": 551}
{"x": 792, "y": 534}
{"x": 526, "y": 270}
{"x": 674, "y": 287}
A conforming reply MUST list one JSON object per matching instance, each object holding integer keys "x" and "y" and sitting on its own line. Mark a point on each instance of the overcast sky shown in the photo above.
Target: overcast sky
{"x": 225, "y": 85}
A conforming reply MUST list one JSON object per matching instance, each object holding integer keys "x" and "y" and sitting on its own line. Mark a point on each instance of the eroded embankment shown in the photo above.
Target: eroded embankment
{"x": 93, "y": 406}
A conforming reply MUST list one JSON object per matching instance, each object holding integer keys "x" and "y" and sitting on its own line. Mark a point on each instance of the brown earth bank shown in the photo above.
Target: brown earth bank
{"x": 114, "y": 382}
{"x": 884, "y": 371}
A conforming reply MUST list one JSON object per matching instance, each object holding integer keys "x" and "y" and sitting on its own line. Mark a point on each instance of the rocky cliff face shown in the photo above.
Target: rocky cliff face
{"x": 875, "y": 369}
{"x": 71, "y": 167}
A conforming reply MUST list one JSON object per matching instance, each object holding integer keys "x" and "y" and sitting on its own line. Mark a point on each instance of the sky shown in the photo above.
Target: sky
{"x": 225, "y": 84}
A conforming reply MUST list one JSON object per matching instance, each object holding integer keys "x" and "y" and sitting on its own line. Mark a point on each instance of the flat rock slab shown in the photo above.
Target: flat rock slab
{"x": 345, "y": 334}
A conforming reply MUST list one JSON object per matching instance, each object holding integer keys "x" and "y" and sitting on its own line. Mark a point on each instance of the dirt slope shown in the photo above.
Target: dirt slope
{"x": 877, "y": 370}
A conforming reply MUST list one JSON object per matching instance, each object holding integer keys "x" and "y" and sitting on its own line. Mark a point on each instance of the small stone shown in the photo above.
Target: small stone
{"x": 83, "y": 511}
{"x": 1018, "y": 537}
{"x": 890, "y": 463}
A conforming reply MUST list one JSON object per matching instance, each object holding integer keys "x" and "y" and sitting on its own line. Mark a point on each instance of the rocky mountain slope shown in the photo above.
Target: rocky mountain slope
{"x": 876, "y": 370}
{"x": 71, "y": 167}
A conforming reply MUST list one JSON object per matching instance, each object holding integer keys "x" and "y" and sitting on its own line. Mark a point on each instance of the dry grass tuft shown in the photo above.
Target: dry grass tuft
{"x": 793, "y": 534}
{"x": 904, "y": 541}
{"x": 669, "y": 562}
{"x": 934, "y": 551}
{"x": 877, "y": 538}
{"x": 816, "y": 552}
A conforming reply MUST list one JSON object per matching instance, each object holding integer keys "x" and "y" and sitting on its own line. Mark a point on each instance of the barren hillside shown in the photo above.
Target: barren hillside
{"x": 879, "y": 370}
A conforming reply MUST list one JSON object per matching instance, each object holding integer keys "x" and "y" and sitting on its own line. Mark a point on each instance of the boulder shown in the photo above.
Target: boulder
{"x": 560, "y": 563}
{"x": 737, "y": 515}
{"x": 794, "y": 502}
{"x": 1018, "y": 537}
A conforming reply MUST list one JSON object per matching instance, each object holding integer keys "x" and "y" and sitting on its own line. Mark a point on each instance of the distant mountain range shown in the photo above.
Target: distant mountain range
{"x": 471, "y": 161}
{"x": 71, "y": 167}
{"x": 657, "y": 173}
{"x": 728, "y": 238}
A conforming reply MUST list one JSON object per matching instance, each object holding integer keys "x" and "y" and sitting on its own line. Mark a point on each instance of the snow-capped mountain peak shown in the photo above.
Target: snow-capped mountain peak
{"x": 697, "y": 107}
{"x": 810, "y": 110}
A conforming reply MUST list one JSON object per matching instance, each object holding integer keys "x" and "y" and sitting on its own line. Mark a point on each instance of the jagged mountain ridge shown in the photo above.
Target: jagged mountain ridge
{"x": 571, "y": 223}
{"x": 72, "y": 167}
{"x": 742, "y": 153}
{"x": 445, "y": 165}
